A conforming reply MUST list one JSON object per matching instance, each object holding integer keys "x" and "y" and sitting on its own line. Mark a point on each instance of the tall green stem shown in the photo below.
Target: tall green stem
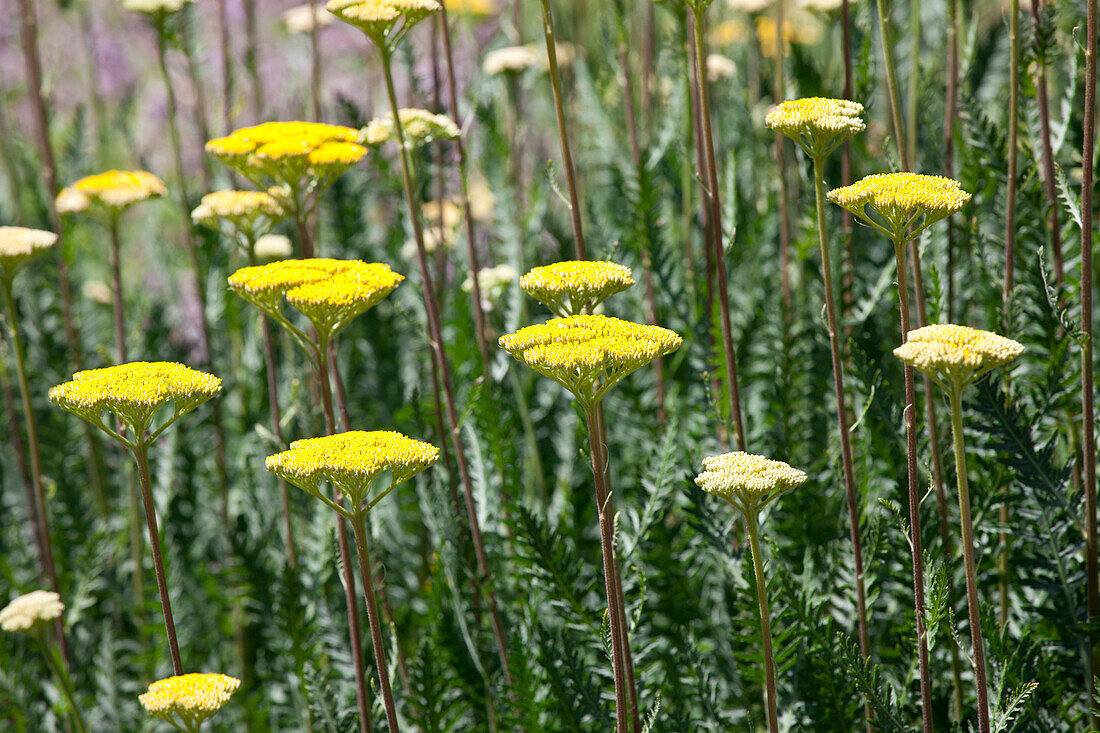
{"x": 752, "y": 525}
{"x": 968, "y": 558}
{"x": 60, "y": 669}
{"x": 360, "y": 531}
{"x": 778, "y": 94}
{"x": 141, "y": 455}
{"x": 892, "y": 84}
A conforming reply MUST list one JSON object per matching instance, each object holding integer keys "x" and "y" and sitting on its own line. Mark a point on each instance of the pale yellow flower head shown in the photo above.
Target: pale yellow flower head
{"x": 588, "y": 355}
{"x": 419, "y": 125}
{"x": 385, "y": 22}
{"x": 575, "y": 287}
{"x": 720, "y": 67}
{"x": 134, "y": 392}
{"x": 273, "y": 247}
{"x": 19, "y": 244}
{"x": 473, "y": 7}
{"x": 29, "y": 611}
{"x": 245, "y": 215}
{"x": 305, "y": 18}
{"x": 954, "y": 356}
{"x": 189, "y": 699}
{"x": 491, "y": 282}
{"x": 510, "y": 59}
{"x": 351, "y": 462}
{"x": 747, "y": 481}
{"x": 818, "y": 124}
{"x": 152, "y": 7}
{"x": 110, "y": 192}
{"x": 906, "y": 203}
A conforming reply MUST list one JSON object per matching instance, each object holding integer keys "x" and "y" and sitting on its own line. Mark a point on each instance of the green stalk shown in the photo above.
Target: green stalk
{"x": 780, "y": 162}
{"x": 752, "y": 525}
{"x": 968, "y": 558}
{"x": 60, "y": 669}
{"x": 141, "y": 454}
{"x": 914, "y": 78}
{"x": 892, "y": 86}
{"x": 315, "y": 64}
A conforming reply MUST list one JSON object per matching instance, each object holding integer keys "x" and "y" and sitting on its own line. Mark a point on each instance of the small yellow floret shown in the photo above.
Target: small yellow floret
{"x": 289, "y": 152}
{"x": 18, "y": 244}
{"x": 954, "y": 356}
{"x": 818, "y": 124}
{"x": 575, "y": 287}
{"x": 189, "y": 699}
{"x": 31, "y": 609}
{"x": 747, "y": 481}
{"x": 235, "y": 206}
{"x": 378, "y": 18}
{"x": 115, "y": 190}
{"x": 902, "y": 199}
{"x": 419, "y": 125}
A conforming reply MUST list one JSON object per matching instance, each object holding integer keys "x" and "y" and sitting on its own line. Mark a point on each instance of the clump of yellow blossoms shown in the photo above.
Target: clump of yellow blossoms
{"x": 385, "y": 22}
{"x": 27, "y": 612}
{"x": 575, "y": 287}
{"x": 19, "y": 244}
{"x": 588, "y": 355}
{"x": 187, "y": 700}
{"x": 351, "y": 462}
{"x": 747, "y": 481}
{"x": 134, "y": 392}
{"x": 907, "y": 203}
{"x": 818, "y": 124}
{"x": 243, "y": 215}
{"x": 419, "y": 125}
{"x": 110, "y": 192}
{"x": 955, "y": 356}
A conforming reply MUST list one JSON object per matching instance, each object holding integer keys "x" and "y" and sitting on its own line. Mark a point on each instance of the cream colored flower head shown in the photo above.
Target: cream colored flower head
{"x": 720, "y": 67}
{"x": 491, "y": 282}
{"x": 152, "y": 7}
{"x": 189, "y": 699}
{"x": 575, "y": 287}
{"x": 244, "y": 215}
{"x": 747, "y": 481}
{"x": 588, "y": 355}
{"x": 954, "y": 356}
{"x": 304, "y": 18}
{"x": 906, "y": 203}
{"x": 112, "y": 192}
{"x": 478, "y": 8}
{"x": 273, "y": 247}
{"x": 351, "y": 462}
{"x": 27, "y": 612}
{"x": 19, "y": 244}
{"x": 135, "y": 392}
{"x": 419, "y": 125}
{"x": 510, "y": 59}
{"x": 818, "y": 124}
{"x": 385, "y": 22}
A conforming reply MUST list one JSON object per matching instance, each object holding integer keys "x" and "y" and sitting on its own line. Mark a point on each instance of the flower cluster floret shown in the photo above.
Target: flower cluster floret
{"x": 19, "y": 244}
{"x": 510, "y": 59}
{"x": 110, "y": 192}
{"x": 955, "y": 356}
{"x": 747, "y": 481}
{"x": 189, "y": 699}
{"x": 575, "y": 287}
{"x": 907, "y": 203}
{"x": 29, "y": 611}
{"x": 385, "y": 22}
{"x": 243, "y": 215}
{"x": 419, "y": 126}
{"x": 818, "y": 124}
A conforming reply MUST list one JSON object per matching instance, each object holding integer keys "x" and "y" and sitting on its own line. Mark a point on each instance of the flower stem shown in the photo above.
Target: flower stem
{"x": 914, "y": 80}
{"x": 914, "y": 499}
{"x": 116, "y": 291}
{"x": 846, "y": 459}
{"x": 360, "y": 531}
{"x": 315, "y": 63}
{"x": 752, "y": 525}
{"x": 141, "y": 455}
{"x": 949, "y": 115}
{"x": 60, "y": 669}
{"x": 781, "y": 165}
{"x": 1049, "y": 188}
{"x": 251, "y": 65}
{"x": 892, "y": 84}
{"x": 968, "y": 558}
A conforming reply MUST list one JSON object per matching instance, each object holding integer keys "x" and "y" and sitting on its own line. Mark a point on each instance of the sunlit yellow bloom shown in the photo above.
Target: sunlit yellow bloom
{"x": 728, "y": 33}
{"x": 818, "y": 124}
{"x": 473, "y": 7}
{"x": 442, "y": 213}
{"x": 351, "y": 462}
{"x": 588, "y": 355}
{"x": 246, "y": 215}
{"x": 112, "y": 190}
{"x": 189, "y": 699}
{"x": 903, "y": 200}
{"x": 304, "y": 18}
{"x": 747, "y": 481}
{"x": 510, "y": 59}
{"x": 265, "y": 285}
{"x": 955, "y": 356}
{"x": 575, "y": 287}
{"x": 802, "y": 29}
{"x": 383, "y": 21}
{"x": 28, "y": 611}
{"x": 135, "y": 391}
{"x": 330, "y": 304}
{"x": 19, "y": 244}
{"x": 419, "y": 125}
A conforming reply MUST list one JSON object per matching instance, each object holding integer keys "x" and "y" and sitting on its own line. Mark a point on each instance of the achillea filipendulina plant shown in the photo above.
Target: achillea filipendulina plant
{"x": 187, "y": 700}
{"x": 901, "y": 206}
{"x": 351, "y": 462}
{"x": 576, "y": 287}
{"x": 31, "y": 614}
{"x": 819, "y": 126}
{"x": 509, "y": 60}
{"x": 420, "y": 127}
{"x": 136, "y": 393}
{"x": 954, "y": 357}
{"x": 385, "y": 22}
{"x": 242, "y": 216}
{"x": 588, "y": 355}
{"x": 749, "y": 483}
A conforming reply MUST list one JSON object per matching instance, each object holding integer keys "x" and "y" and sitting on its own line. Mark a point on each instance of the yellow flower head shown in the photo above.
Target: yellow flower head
{"x": 419, "y": 125}
{"x": 385, "y": 22}
{"x": 954, "y": 356}
{"x": 510, "y": 59}
{"x": 472, "y": 7}
{"x": 189, "y": 699}
{"x": 134, "y": 392}
{"x": 575, "y": 287}
{"x": 818, "y": 124}
{"x": 331, "y": 304}
{"x": 246, "y": 215}
{"x": 748, "y": 482}
{"x": 19, "y": 244}
{"x": 305, "y": 18}
{"x": 902, "y": 200}
{"x": 588, "y": 355}
{"x": 110, "y": 192}
{"x": 28, "y": 611}
{"x": 351, "y": 462}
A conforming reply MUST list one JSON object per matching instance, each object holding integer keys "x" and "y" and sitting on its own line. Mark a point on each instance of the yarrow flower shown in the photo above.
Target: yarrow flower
{"x": 351, "y": 462}
{"x": 419, "y": 125}
{"x": 152, "y": 7}
{"x": 720, "y": 67}
{"x": 747, "y": 481}
{"x": 110, "y": 192}
{"x": 187, "y": 700}
{"x": 588, "y": 355}
{"x": 955, "y": 356}
{"x": 575, "y": 287}
{"x": 244, "y": 215}
{"x": 491, "y": 282}
{"x": 902, "y": 200}
{"x": 473, "y": 7}
{"x": 818, "y": 124}
{"x": 27, "y": 612}
{"x": 19, "y": 244}
{"x": 304, "y": 18}
{"x": 134, "y": 392}
{"x": 273, "y": 247}
{"x": 510, "y": 59}
{"x": 385, "y": 22}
